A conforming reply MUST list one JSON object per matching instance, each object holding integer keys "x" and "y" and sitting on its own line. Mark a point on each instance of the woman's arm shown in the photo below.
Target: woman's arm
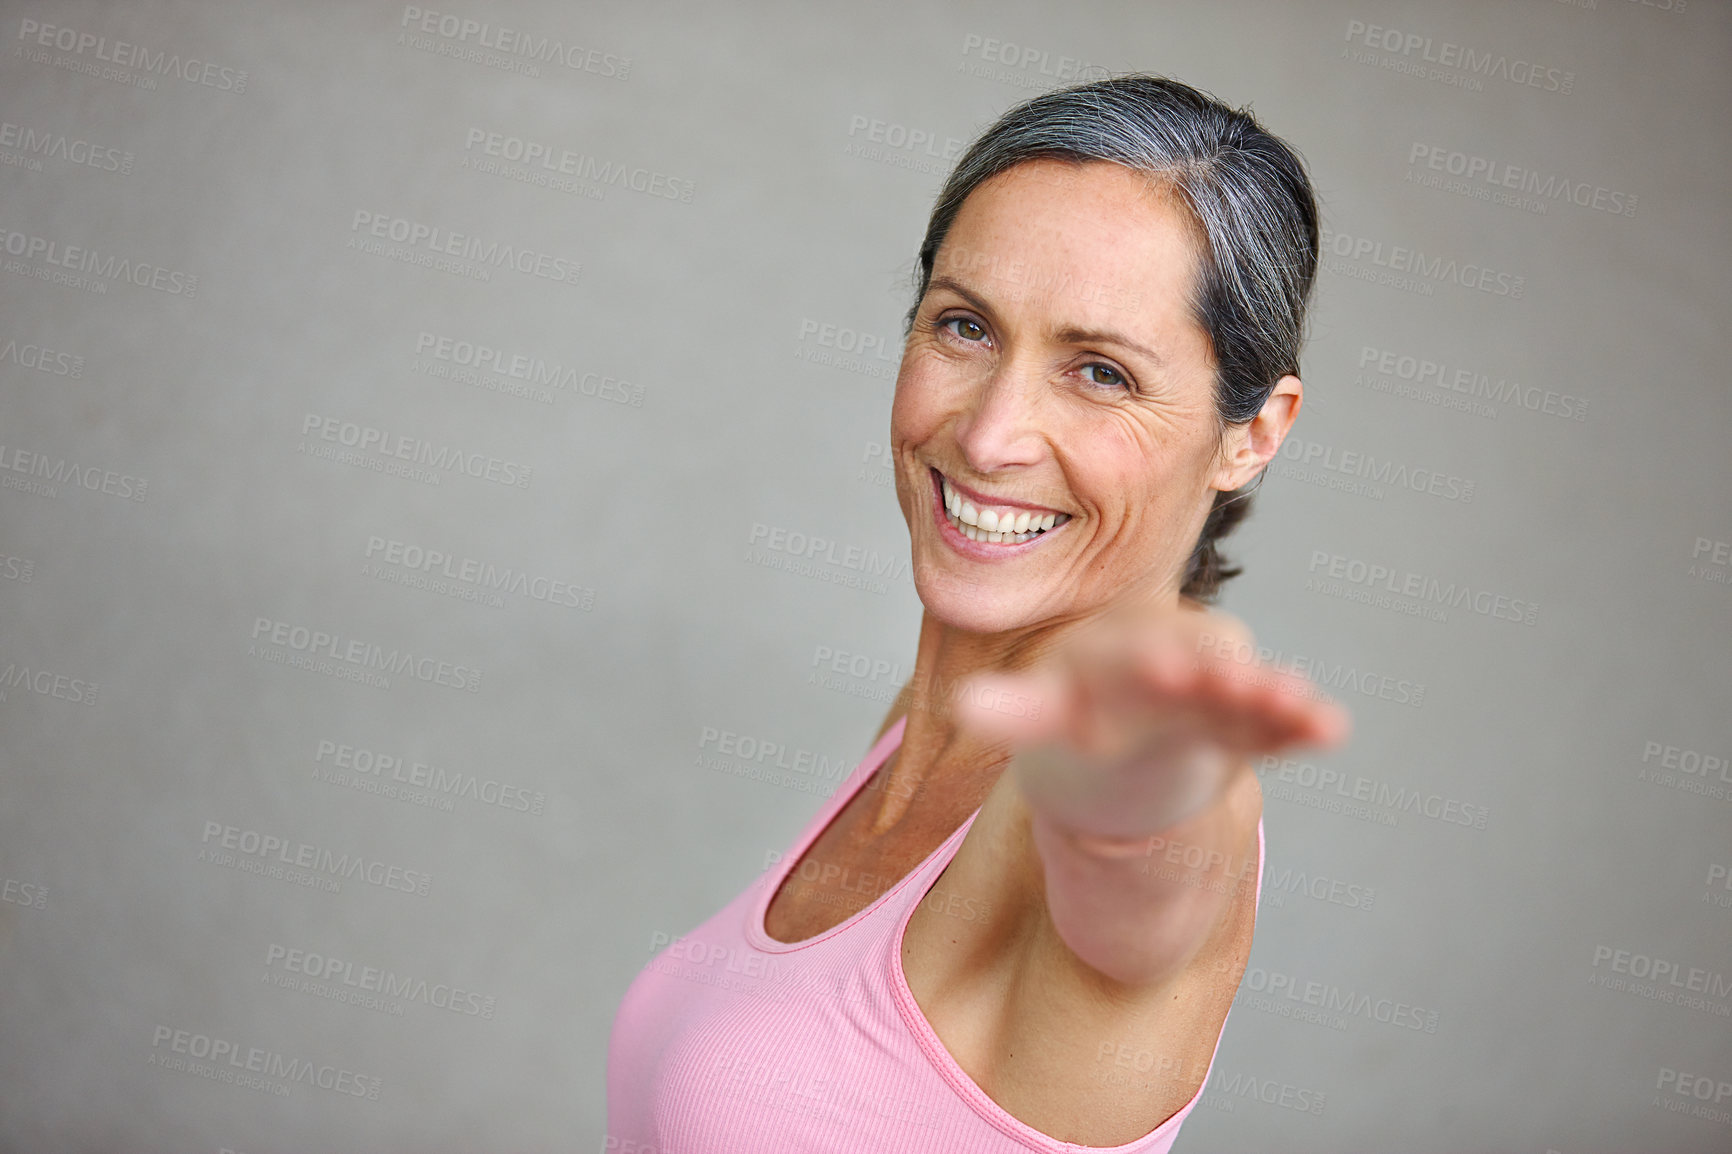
{"x": 1136, "y": 910}
{"x": 1135, "y": 768}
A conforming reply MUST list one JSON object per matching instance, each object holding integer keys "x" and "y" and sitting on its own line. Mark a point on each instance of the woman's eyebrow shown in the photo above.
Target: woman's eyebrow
{"x": 947, "y": 282}
{"x": 1070, "y": 334}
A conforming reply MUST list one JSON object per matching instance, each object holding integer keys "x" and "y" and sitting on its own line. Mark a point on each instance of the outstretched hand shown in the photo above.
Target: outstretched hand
{"x": 1139, "y": 720}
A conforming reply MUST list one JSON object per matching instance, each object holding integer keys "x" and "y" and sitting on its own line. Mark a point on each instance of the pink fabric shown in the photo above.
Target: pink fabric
{"x": 730, "y": 1041}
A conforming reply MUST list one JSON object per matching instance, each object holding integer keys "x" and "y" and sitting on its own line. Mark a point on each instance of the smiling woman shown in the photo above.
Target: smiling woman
{"x": 1059, "y": 819}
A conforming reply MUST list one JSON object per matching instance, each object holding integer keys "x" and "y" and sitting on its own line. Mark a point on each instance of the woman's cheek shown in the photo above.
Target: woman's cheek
{"x": 922, "y": 396}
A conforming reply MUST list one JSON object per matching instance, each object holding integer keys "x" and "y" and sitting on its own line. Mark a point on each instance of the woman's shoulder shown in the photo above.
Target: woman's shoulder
{"x": 984, "y": 929}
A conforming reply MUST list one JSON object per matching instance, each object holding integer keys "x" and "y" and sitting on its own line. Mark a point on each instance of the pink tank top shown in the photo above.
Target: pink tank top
{"x": 730, "y": 1042}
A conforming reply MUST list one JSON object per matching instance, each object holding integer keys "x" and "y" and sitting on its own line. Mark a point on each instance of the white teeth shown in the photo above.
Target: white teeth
{"x": 989, "y": 525}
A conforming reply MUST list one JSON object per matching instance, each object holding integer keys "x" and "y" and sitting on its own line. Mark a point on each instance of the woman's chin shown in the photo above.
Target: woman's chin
{"x": 977, "y": 606}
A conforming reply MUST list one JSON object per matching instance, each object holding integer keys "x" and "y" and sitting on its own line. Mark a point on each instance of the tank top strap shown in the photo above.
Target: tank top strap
{"x": 889, "y": 967}
{"x": 845, "y": 790}
{"x": 770, "y": 882}
{"x": 1261, "y": 857}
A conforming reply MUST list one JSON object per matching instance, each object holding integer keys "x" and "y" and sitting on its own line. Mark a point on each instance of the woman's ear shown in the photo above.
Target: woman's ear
{"x": 1251, "y": 446}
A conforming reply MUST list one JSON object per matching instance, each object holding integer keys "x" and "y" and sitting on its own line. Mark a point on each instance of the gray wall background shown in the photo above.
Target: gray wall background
{"x": 1514, "y": 389}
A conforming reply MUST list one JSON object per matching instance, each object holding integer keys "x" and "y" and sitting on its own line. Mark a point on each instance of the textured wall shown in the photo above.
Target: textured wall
{"x": 397, "y": 420}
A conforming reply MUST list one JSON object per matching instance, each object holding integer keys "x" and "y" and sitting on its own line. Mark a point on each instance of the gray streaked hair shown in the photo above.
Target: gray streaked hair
{"x": 1250, "y": 199}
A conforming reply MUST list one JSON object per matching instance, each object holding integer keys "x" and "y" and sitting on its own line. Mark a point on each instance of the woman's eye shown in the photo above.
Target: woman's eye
{"x": 966, "y": 328}
{"x": 1108, "y": 375}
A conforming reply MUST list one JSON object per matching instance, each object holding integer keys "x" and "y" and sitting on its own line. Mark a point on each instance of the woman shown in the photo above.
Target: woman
{"x": 1019, "y": 924}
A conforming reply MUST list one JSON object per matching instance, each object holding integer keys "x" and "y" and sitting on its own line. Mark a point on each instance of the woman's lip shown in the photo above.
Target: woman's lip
{"x": 979, "y": 550}
{"x": 981, "y": 501}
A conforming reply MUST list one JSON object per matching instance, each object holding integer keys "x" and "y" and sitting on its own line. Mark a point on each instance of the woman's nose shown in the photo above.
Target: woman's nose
{"x": 1002, "y": 424}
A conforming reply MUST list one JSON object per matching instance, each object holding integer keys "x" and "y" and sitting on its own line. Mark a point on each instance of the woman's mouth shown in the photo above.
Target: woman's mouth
{"x": 989, "y": 523}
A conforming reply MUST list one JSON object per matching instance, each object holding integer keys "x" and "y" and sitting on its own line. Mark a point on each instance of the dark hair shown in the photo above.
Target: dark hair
{"x": 1254, "y": 208}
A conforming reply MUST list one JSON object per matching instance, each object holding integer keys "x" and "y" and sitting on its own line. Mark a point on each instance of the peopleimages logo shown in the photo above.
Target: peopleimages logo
{"x": 537, "y": 378}
{"x": 359, "y": 764}
{"x": 44, "y": 144}
{"x": 823, "y": 558}
{"x": 436, "y": 460}
{"x": 1356, "y": 579}
{"x": 1335, "y": 891}
{"x": 1413, "y": 269}
{"x": 760, "y": 751}
{"x": 1347, "y": 468}
{"x": 1022, "y": 65}
{"x": 436, "y": 567}
{"x": 224, "y": 1060}
{"x": 1662, "y": 980}
{"x": 840, "y": 347}
{"x": 1270, "y": 1091}
{"x": 1473, "y": 385}
{"x": 104, "y": 267}
{"x": 135, "y": 56}
{"x": 41, "y": 359}
{"x": 553, "y": 160}
{"x": 1287, "y": 996}
{"x": 300, "y": 645}
{"x": 904, "y": 138}
{"x": 815, "y": 548}
{"x": 47, "y": 683}
{"x": 1331, "y": 784}
{"x": 1695, "y": 771}
{"x": 876, "y": 671}
{"x": 1322, "y": 673}
{"x": 41, "y": 474}
{"x": 27, "y": 894}
{"x": 1709, "y": 561}
{"x": 1699, "y": 1095}
{"x": 900, "y": 146}
{"x": 272, "y": 855}
{"x": 1504, "y": 179}
{"x": 1412, "y": 51}
{"x": 847, "y": 340}
{"x": 423, "y": 243}
{"x": 311, "y": 971}
{"x": 525, "y": 48}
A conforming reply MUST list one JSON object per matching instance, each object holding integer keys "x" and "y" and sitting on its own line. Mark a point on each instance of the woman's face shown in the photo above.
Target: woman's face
{"x": 1055, "y": 370}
